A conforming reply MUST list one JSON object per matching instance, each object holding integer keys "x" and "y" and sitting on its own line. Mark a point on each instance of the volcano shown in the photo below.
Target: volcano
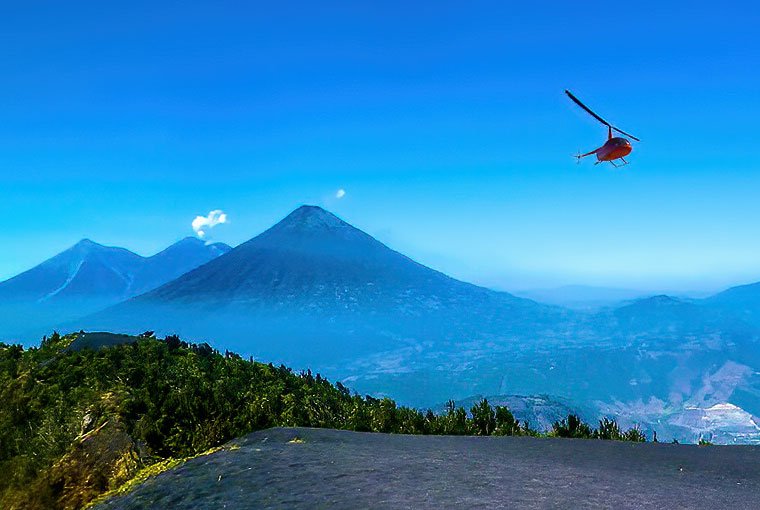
{"x": 315, "y": 287}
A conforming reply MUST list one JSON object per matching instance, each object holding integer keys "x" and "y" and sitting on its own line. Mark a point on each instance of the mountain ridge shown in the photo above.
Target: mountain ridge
{"x": 88, "y": 276}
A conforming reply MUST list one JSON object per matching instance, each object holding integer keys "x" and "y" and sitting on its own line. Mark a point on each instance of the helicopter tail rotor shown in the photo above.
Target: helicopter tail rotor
{"x": 579, "y": 155}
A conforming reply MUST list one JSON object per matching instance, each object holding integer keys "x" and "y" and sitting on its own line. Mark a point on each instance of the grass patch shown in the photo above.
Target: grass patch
{"x": 151, "y": 471}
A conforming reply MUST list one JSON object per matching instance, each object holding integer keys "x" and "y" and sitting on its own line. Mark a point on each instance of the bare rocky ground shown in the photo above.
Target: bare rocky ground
{"x": 319, "y": 468}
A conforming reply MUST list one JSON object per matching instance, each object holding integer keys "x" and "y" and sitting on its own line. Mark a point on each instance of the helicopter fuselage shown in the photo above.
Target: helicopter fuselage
{"x": 614, "y": 148}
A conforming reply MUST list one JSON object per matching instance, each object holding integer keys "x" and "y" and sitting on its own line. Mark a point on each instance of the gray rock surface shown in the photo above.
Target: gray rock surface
{"x": 341, "y": 469}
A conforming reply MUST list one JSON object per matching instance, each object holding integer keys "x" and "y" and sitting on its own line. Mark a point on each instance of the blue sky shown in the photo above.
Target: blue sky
{"x": 445, "y": 123}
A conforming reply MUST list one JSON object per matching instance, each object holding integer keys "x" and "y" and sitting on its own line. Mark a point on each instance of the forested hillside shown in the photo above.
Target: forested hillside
{"x": 78, "y": 421}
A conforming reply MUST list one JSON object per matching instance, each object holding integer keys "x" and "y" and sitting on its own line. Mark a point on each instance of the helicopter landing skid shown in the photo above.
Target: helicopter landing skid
{"x": 612, "y": 162}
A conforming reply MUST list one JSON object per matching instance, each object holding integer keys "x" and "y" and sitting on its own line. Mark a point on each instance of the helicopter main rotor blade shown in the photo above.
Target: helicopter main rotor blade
{"x": 629, "y": 135}
{"x": 597, "y": 117}
{"x": 588, "y": 110}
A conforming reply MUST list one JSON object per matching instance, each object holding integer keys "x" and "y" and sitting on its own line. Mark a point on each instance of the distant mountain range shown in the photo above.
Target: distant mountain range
{"x": 583, "y": 297}
{"x": 590, "y": 298}
{"x": 314, "y": 291}
{"x": 89, "y": 276}
{"x": 743, "y": 301}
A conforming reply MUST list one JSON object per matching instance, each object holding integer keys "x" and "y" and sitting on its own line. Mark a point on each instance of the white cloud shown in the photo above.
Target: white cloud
{"x": 340, "y": 193}
{"x": 202, "y": 224}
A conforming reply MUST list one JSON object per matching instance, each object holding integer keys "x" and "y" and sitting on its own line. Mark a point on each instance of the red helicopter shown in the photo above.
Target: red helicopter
{"x": 615, "y": 147}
